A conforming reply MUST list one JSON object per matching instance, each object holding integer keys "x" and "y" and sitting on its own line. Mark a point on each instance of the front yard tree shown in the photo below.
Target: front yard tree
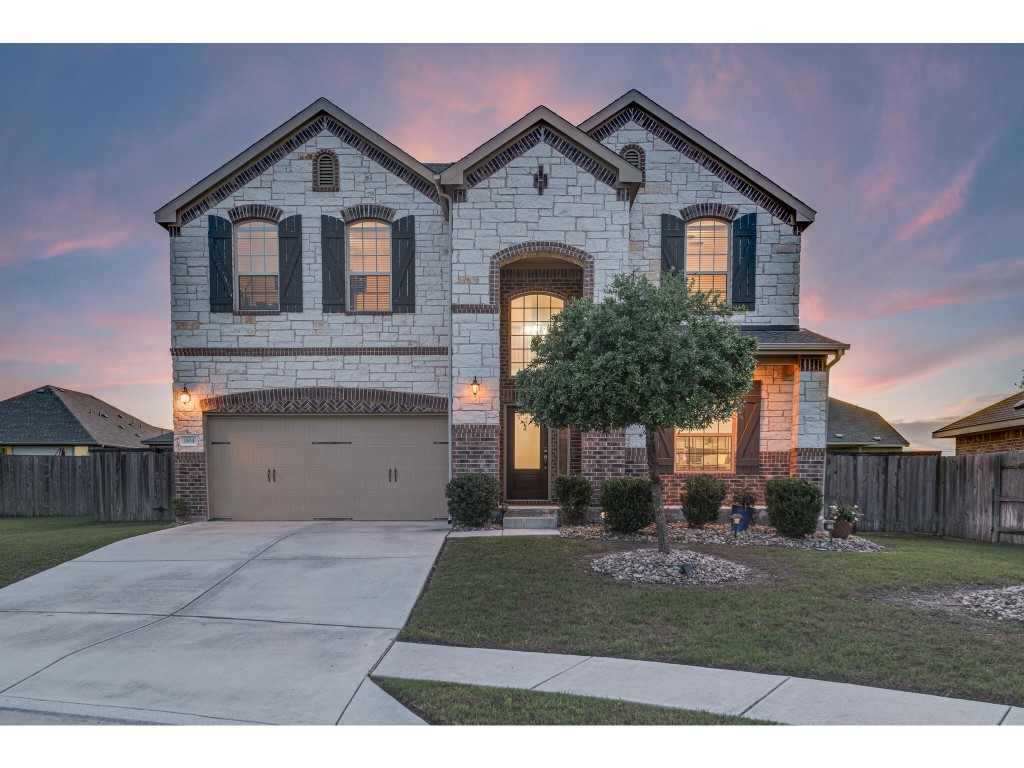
{"x": 653, "y": 354}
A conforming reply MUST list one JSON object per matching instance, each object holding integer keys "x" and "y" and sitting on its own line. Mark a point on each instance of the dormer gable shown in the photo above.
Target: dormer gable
{"x": 322, "y": 115}
{"x": 634, "y": 107}
{"x": 542, "y": 126}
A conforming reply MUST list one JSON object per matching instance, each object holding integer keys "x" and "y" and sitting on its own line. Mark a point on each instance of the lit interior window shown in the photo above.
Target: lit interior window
{"x": 369, "y": 266}
{"x": 707, "y": 256}
{"x": 529, "y": 316}
{"x": 705, "y": 450}
{"x": 256, "y": 263}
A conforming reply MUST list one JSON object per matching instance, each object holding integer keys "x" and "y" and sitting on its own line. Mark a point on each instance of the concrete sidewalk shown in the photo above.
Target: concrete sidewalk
{"x": 790, "y": 700}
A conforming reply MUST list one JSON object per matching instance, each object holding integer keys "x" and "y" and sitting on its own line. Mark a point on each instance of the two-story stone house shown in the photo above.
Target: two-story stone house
{"x": 347, "y": 321}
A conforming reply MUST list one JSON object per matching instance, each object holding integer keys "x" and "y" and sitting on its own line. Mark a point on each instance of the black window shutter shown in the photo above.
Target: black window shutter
{"x": 332, "y": 243}
{"x": 221, "y": 268}
{"x": 403, "y": 265}
{"x": 673, "y": 236}
{"x": 748, "y": 430}
{"x": 744, "y": 260}
{"x": 289, "y": 241}
{"x": 665, "y": 443}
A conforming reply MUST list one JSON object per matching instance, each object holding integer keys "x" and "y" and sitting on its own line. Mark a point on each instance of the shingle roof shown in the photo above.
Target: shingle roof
{"x": 791, "y": 339}
{"x": 1008, "y": 412}
{"x": 437, "y": 167}
{"x": 849, "y": 424}
{"x": 163, "y": 440}
{"x": 56, "y": 416}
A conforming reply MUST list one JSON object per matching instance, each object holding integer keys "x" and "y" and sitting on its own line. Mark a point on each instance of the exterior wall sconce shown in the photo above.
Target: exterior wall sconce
{"x": 185, "y": 397}
{"x": 475, "y": 387}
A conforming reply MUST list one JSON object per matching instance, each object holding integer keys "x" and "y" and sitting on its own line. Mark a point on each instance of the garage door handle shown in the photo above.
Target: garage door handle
{"x": 275, "y": 474}
{"x": 389, "y": 475}
{"x": 268, "y": 475}
{"x": 396, "y": 474}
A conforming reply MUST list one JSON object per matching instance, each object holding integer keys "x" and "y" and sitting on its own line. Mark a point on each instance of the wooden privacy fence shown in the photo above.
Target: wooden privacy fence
{"x": 974, "y": 496}
{"x": 112, "y": 486}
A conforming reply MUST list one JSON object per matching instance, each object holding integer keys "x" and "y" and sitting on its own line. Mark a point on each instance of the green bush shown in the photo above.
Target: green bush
{"x": 179, "y": 507}
{"x": 702, "y": 499}
{"x": 793, "y": 506}
{"x": 472, "y": 499}
{"x": 573, "y": 494}
{"x": 627, "y": 503}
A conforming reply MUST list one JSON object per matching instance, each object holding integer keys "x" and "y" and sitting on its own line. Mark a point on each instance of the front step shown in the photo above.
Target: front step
{"x": 545, "y": 521}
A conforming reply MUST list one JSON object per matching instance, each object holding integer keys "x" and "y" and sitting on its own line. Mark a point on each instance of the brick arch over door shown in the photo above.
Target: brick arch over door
{"x": 324, "y": 400}
{"x": 521, "y": 251}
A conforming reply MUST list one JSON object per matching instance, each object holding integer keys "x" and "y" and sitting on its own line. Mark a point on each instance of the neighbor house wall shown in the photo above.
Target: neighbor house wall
{"x": 991, "y": 442}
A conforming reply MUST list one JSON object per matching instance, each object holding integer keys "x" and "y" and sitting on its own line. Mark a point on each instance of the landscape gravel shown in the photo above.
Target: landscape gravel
{"x": 1006, "y": 604}
{"x": 649, "y": 566}
{"x": 754, "y": 536}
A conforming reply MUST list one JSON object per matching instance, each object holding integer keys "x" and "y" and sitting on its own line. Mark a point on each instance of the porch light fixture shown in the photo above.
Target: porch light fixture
{"x": 475, "y": 386}
{"x": 185, "y": 397}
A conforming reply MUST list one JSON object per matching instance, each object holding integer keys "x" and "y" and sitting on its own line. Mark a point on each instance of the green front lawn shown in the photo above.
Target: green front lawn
{"x": 29, "y": 545}
{"x": 455, "y": 704}
{"x": 824, "y": 615}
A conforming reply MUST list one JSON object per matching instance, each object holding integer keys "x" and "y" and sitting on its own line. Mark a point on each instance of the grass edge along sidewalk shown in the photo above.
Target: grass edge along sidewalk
{"x": 843, "y": 617}
{"x": 30, "y": 545}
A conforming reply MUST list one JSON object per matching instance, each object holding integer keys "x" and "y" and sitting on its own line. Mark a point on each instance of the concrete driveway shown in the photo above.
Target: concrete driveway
{"x": 217, "y": 622}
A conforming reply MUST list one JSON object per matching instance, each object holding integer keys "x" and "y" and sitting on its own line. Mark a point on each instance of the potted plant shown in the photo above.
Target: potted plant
{"x": 845, "y": 518}
{"x": 743, "y": 502}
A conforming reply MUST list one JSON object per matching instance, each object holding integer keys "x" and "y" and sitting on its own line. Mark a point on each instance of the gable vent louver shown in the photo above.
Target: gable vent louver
{"x": 632, "y": 156}
{"x": 325, "y": 175}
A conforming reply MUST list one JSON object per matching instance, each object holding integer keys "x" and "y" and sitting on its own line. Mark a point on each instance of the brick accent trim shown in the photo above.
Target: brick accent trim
{"x": 190, "y": 480}
{"x": 812, "y": 364}
{"x": 324, "y": 400}
{"x": 174, "y": 231}
{"x": 317, "y": 186}
{"x": 652, "y": 125}
{"x": 540, "y": 248}
{"x": 709, "y": 210}
{"x": 474, "y": 449}
{"x": 367, "y": 211}
{"x": 307, "y": 351}
{"x": 304, "y": 135}
{"x": 474, "y": 309}
{"x": 540, "y": 135}
{"x": 255, "y": 211}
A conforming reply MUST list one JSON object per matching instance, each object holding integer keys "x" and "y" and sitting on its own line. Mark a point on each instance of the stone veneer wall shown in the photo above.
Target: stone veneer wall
{"x": 991, "y": 442}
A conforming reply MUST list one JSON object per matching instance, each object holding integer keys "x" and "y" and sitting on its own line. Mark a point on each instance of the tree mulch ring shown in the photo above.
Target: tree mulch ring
{"x": 754, "y": 536}
{"x": 649, "y": 566}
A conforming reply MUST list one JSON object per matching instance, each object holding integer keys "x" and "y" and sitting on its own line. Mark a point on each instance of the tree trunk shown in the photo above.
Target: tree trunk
{"x": 655, "y": 477}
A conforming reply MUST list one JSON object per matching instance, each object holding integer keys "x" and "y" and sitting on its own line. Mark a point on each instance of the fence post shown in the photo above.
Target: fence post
{"x": 997, "y": 484}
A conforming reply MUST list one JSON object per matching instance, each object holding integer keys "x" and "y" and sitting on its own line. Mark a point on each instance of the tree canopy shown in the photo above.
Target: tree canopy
{"x": 654, "y": 354}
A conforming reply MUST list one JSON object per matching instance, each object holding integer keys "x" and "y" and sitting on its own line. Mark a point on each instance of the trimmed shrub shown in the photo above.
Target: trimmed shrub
{"x": 472, "y": 499}
{"x": 794, "y": 505}
{"x": 573, "y": 494}
{"x": 702, "y": 499}
{"x": 179, "y": 507}
{"x": 627, "y": 503}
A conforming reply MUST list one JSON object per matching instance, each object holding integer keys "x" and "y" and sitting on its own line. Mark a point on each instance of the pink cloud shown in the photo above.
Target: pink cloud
{"x": 947, "y": 203}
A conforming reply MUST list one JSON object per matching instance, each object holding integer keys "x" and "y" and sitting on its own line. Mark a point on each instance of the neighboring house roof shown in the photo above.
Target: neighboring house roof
{"x": 783, "y": 339}
{"x": 851, "y": 426}
{"x": 625, "y": 174}
{"x": 1008, "y": 412}
{"x": 163, "y": 440}
{"x": 244, "y": 167}
{"x": 803, "y": 214}
{"x": 56, "y": 416}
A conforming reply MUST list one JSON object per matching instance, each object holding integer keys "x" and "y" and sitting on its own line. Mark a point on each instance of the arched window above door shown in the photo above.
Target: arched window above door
{"x": 529, "y": 316}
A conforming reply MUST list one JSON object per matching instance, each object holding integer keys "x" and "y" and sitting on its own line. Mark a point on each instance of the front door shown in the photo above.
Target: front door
{"x": 526, "y": 458}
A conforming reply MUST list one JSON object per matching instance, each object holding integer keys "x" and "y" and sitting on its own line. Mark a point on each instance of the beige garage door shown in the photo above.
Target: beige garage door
{"x": 324, "y": 467}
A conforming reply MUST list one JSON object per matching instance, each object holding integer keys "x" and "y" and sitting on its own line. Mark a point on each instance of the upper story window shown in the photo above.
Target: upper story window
{"x": 529, "y": 316}
{"x": 705, "y": 450}
{"x": 257, "y": 266}
{"x": 369, "y": 266}
{"x": 707, "y": 256}
{"x": 325, "y": 171}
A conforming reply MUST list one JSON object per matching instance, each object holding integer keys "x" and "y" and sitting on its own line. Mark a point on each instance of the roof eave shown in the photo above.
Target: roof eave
{"x": 168, "y": 215}
{"x": 455, "y": 174}
{"x": 974, "y": 429}
{"x": 804, "y": 214}
{"x": 789, "y": 349}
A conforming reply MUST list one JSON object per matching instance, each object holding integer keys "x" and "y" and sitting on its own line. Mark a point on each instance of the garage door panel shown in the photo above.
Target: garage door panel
{"x": 327, "y": 466}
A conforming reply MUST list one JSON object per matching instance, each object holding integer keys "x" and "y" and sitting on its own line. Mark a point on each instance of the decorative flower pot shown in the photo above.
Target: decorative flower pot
{"x": 746, "y": 515}
{"x": 842, "y": 529}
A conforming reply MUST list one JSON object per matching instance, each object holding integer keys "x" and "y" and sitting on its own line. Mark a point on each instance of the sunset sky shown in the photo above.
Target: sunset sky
{"x": 909, "y": 154}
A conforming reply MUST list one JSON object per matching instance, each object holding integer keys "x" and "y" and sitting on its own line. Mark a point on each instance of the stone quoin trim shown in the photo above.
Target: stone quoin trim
{"x": 540, "y": 135}
{"x": 306, "y": 351}
{"x": 643, "y": 159}
{"x": 367, "y": 211}
{"x": 317, "y": 186}
{"x": 655, "y": 127}
{"x": 255, "y": 211}
{"x": 709, "y": 211}
{"x": 324, "y": 400}
{"x": 304, "y": 136}
{"x": 540, "y": 248}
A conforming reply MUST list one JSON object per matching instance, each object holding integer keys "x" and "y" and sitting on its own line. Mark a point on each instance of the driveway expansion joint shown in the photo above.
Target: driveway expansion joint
{"x": 773, "y": 690}
{"x": 564, "y": 671}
